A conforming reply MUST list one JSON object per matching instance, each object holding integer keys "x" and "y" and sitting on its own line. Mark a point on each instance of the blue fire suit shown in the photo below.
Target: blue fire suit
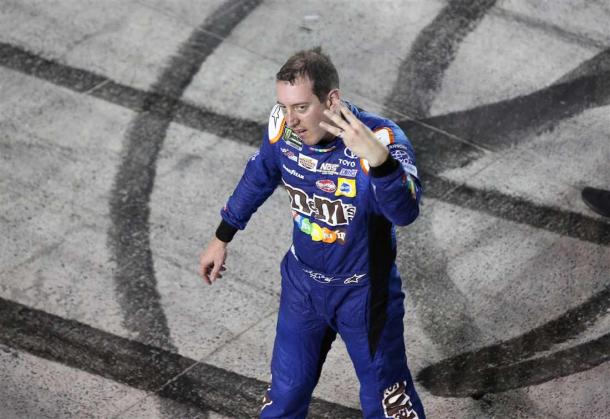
{"x": 339, "y": 275}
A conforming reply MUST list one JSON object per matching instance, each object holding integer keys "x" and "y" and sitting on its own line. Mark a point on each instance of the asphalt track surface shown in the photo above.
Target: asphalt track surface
{"x": 444, "y": 142}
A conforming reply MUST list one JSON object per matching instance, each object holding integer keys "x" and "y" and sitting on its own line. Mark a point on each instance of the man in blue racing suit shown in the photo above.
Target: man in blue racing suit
{"x": 350, "y": 176}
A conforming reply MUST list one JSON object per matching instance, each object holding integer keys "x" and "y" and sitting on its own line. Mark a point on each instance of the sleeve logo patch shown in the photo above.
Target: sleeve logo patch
{"x": 385, "y": 136}
{"x": 276, "y": 124}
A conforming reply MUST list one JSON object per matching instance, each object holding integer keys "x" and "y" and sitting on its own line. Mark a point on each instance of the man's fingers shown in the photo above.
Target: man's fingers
{"x": 218, "y": 267}
{"x": 336, "y": 118}
{"x": 331, "y": 128}
{"x": 204, "y": 273}
{"x": 347, "y": 113}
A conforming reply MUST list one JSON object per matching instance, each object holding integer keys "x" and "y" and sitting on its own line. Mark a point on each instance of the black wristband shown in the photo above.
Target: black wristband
{"x": 225, "y": 231}
{"x": 388, "y": 166}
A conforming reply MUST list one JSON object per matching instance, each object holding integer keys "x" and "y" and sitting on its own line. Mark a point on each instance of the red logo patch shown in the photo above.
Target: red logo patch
{"x": 326, "y": 185}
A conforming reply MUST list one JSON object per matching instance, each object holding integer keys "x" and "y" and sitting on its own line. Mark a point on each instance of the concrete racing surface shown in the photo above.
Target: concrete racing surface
{"x": 125, "y": 125}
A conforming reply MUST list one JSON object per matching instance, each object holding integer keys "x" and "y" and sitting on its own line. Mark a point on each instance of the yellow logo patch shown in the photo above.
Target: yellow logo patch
{"x": 346, "y": 187}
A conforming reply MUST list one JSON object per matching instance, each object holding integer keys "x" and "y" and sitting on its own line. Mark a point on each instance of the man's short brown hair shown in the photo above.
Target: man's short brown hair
{"x": 314, "y": 65}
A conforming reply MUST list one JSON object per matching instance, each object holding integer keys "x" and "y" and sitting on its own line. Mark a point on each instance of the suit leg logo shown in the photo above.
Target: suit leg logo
{"x": 396, "y": 402}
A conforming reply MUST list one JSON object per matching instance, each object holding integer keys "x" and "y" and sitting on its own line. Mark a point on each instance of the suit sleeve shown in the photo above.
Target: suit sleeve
{"x": 396, "y": 186}
{"x": 260, "y": 178}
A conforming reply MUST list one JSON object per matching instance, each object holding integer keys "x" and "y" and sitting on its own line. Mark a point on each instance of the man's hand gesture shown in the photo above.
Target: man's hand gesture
{"x": 212, "y": 261}
{"x": 357, "y": 137}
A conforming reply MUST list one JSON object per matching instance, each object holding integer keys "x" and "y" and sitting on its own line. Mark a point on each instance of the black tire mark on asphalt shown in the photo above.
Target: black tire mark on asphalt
{"x": 441, "y": 306}
{"x": 551, "y": 29}
{"x": 507, "y": 365}
{"x": 128, "y": 236}
{"x": 100, "y": 87}
{"x": 586, "y": 86}
{"x": 506, "y": 123}
{"x": 435, "y": 152}
{"x": 129, "y": 233}
{"x": 438, "y": 300}
{"x": 598, "y": 64}
{"x": 421, "y": 73}
{"x": 140, "y": 365}
{"x": 515, "y": 209}
{"x": 83, "y": 81}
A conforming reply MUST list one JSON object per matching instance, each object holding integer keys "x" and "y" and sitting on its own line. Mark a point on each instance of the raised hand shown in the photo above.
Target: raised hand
{"x": 357, "y": 137}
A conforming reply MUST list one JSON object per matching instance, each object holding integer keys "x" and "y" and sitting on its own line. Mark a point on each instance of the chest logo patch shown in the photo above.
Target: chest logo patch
{"x": 328, "y": 211}
{"x": 328, "y": 168}
{"x": 292, "y": 139}
{"x": 346, "y": 187}
{"x": 308, "y": 163}
{"x": 326, "y": 185}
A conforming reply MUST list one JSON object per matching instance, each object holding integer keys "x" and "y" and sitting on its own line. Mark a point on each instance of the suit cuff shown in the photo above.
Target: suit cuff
{"x": 388, "y": 166}
{"x": 225, "y": 232}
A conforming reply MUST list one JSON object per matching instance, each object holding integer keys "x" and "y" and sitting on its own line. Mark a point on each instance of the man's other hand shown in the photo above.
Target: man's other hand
{"x": 212, "y": 261}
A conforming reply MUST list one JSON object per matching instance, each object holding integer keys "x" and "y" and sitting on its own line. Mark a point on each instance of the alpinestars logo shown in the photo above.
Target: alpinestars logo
{"x": 353, "y": 279}
{"x": 396, "y": 402}
{"x": 331, "y": 212}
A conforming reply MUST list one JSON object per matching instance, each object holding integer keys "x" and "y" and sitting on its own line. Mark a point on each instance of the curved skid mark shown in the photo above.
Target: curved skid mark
{"x": 128, "y": 236}
{"x": 421, "y": 73}
{"x": 519, "y": 210}
{"x": 600, "y": 63}
{"x": 139, "y": 365}
{"x": 508, "y": 365}
{"x": 506, "y": 123}
{"x": 471, "y": 380}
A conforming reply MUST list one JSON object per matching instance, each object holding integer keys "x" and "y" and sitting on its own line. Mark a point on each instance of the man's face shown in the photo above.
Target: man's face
{"x": 302, "y": 109}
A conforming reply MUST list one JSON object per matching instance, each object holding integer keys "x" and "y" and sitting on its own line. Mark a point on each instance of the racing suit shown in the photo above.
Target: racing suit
{"x": 339, "y": 275}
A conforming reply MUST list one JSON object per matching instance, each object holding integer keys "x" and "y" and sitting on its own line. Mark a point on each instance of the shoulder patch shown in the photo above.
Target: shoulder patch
{"x": 276, "y": 124}
{"x": 385, "y": 135}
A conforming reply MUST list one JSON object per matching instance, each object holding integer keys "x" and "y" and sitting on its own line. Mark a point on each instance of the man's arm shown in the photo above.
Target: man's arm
{"x": 260, "y": 178}
{"x": 392, "y": 169}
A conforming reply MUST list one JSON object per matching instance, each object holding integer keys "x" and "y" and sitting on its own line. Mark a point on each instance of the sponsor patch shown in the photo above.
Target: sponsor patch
{"x": 330, "y": 212}
{"x": 288, "y": 153}
{"x": 348, "y": 163}
{"x": 307, "y": 162}
{"x": 409, "y": 168}
{"x": 326, "y": 185}
{"x": 385, "y": 136}
{"x": 348, "y": 172}
{"x": 293, "y": 172}
{"x": 398, "y": 146}
{"x": 411, "y": 186}
{"x": 292, "y": 139}
{"x": 396, "y": 403}
{"x": 353, "y": 279}
{"x": 318, "y": 233}
{"x": 346, "y": 187}
{"x": 402, "y": 156}
{"x": 276, "y": 124}
{"x": 317, "y": 276}
{"x": 349, "y": 153}
{"x": 328, "y": 168}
